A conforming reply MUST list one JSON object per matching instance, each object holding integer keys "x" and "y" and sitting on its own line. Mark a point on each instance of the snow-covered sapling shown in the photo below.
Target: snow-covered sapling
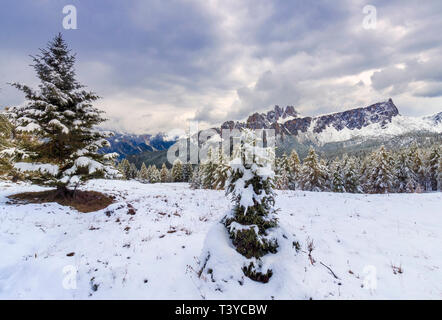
{"x": 250, "y": 187}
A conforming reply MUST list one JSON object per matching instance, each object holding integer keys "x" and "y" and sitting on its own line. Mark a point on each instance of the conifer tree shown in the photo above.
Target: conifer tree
{"x": 124, "y": 168}
{"x": 154, "y": 174}
{"x": 250, "y": 186}
{"x": 405, "y": 178}
{"x": 433, "y": 167}
{"x": 195, "y": 182}
{"x": 284, "y": 163}
{"x": 133, "y": 171}
{"x": 364, "y": 173}
{"x": 221, "y": 171}
{"x": 208, "y": 173}
{"x": 313, "y": 176}
{"x": 337, "y": 177}
{"x": 439, "y": 175}
{"x": 294, "y": 169}
{"x": 13, "y": 148}
{"x": 143, "y": 174}
{"x": 282, "y": 180}
{"x": 327, "y": 174}
{"x": 177, "y": 171}
{"x": 164, "y": 174}
{"x": 149, "y": 173}
{"x": 61, "y": 117}
{"x": 351, "y": 175}
{"x": 380, "y": 174}
{"x": 282, "y": 176}
{"x": 187, "y": 172}
{"x": 417, "y": 165}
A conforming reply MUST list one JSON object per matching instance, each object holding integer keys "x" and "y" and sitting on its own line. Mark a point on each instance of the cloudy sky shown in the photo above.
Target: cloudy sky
{"x": 158, "y": 63}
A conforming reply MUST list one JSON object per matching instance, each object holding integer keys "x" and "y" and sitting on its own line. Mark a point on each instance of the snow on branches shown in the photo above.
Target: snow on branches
{"x": 61, "y": 118}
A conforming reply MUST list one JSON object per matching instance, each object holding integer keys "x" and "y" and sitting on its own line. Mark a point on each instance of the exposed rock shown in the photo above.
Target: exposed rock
{"x": 381, "y": 112}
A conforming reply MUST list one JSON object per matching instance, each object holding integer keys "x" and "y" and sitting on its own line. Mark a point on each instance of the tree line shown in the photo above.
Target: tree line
{"x": 406, "y": 170}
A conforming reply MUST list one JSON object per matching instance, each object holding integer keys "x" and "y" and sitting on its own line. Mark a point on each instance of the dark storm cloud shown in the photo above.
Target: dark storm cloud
{"x": 160, "y": 63}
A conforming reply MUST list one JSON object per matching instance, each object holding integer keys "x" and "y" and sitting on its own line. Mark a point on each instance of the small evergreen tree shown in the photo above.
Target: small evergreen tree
{"x": 164, "y": 174}
{"x": 187, "y": 172}
{"x": 124, "y": 168}
{"x": 208, "y": 171}
{"x": 294, "y": 169}
{"x": 62, "y": 119}
{"x": 433, "y": 167}
{"x": 313, "y": 176}
{"x": 250, "y": 186}
{"x": 154, "y": 174}
{"x": 177, "y": 171}
{"x": 221, "y": 171}
{"x": 282, "y": 180}
{"x": 439, "y": 175}
{"x": 327, "y": 174}
{"x": 337, "y": 177}
{"x": 364, "y": 173}
{"x": 284, "y": 163}
{"x": 133, "y": 171}
{"x": 196, "y": 179}
{"x": 351, "y": 175}
{"x": 405, "y": 178}
{"x": 380, "y": 175}
{"x": 417, "y": 165}
{"x": 143, "y": 174}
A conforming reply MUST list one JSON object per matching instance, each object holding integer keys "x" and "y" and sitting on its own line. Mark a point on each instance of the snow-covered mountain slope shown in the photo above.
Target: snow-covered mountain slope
{"x": 378, "y": 246}
{"x": 399, "y": 125}
{"x": 381, "y": 119}
{"x": 131, "y": 144}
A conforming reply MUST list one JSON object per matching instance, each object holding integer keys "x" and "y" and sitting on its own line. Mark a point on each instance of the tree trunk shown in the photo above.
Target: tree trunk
{"x": 63, "y": 192}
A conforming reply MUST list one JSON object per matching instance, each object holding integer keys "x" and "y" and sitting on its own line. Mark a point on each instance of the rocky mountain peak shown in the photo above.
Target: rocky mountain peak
{"x": 263, "y": 120}
{"x": 287, "y": 120}
{"x": 281, "y": 113}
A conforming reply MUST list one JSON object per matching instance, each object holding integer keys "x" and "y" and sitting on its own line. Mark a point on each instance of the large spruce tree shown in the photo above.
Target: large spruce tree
{"x": 60, "y": 115}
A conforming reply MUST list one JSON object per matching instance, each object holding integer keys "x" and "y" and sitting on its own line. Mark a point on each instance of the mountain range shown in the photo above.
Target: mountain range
{"x": 131, "y": 144}
{"x": 351, "y": 131}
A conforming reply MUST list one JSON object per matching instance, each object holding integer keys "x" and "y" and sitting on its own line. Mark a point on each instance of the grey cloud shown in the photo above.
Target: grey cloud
{"x": 401, "y": 78}
{"x": 430, "y": 90}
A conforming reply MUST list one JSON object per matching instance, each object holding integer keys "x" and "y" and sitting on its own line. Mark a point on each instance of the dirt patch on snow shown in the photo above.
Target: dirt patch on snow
{"x": 83, "y": 201}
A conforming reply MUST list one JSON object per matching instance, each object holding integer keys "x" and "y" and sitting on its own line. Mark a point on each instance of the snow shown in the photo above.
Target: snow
{"x": 51, "y": 169}
{"x": 11, "y": 152}
{"x": 287, "y": 119}
{"x": 29, "y": 127}
{"x": 58, "y": 124}
{"x": 92, "y": 165}
{"x": 398, "y": 125}
{"x": 154, "y": 254}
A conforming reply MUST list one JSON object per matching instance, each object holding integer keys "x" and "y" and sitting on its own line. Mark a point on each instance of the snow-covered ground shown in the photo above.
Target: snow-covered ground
{"x": 378, "y": 246}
